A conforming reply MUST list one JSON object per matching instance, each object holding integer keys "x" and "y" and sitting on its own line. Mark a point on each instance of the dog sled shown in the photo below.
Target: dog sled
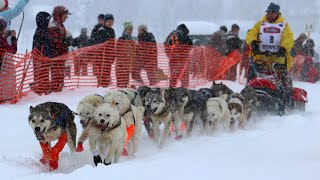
{"x": 273, "y": 86}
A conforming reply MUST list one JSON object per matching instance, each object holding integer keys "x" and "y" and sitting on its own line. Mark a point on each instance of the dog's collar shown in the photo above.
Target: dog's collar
{"x": 110, "y": 128}
{"x": 164, "y": 112}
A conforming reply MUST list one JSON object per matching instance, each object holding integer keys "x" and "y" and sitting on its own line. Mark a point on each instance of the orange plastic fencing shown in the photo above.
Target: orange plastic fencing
{"x": 114, "y": 64}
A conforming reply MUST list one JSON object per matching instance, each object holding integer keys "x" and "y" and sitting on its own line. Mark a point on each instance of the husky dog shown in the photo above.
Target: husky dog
{"x": 133, "y": 96}
{"x": 237, "y": 109}
{"x": 159, "y": 104}
{"x": 51, "y": 121}
{"x": 143, "y": 91}
{"x": 220, "y": 90}
{"x": 131, "y": 114}
{"x": 217, "y": 114}
{"x": 85, "y": 111}
{"x": 250, "y": 100}
{"x": 108, "y": 133}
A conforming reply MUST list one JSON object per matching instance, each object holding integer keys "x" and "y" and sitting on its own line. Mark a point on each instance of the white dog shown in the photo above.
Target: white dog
{"x": 85, "y": 111}
{"x": 131, "y": 114}
{"x": 237, "y": 110}
{"x": 217, "y": 114}
{"x": 108, "y": 133}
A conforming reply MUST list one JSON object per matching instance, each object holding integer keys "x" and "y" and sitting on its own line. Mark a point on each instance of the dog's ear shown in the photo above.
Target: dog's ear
{"x": 213, "y": 83}
{"x": 31, "y": 109}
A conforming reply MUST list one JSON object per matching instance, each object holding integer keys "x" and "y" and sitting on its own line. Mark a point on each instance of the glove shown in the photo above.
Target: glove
{"x": 281, "y": 52}
{"x": 255, "y": 47}
{"x": 97, "y": 160}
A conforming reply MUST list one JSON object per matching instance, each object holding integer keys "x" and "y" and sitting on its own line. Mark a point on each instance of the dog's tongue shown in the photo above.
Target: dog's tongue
{"x": 40, "y": 136}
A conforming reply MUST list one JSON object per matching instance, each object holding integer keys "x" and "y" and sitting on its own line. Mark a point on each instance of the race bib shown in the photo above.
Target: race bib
{"x": 270, "y": 36}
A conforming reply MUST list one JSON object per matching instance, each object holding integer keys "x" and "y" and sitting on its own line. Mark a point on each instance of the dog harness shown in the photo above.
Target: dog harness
{"x": 110, "y": 128}
{"x": 60, "y": 121}
{"x": 135, "y": 96}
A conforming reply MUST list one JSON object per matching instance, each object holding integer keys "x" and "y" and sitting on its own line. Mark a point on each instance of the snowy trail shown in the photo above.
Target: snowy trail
{"x": 270, "y": 148}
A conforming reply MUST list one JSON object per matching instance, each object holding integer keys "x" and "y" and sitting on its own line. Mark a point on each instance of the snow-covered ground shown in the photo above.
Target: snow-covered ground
{"x": 270, "y": 148}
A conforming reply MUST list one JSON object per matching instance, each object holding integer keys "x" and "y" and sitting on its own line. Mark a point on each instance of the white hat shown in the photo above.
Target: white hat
{"x": 4, "y": 4}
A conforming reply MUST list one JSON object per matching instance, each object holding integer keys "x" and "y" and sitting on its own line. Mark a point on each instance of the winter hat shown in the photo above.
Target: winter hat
{"x": 273, "y": 8}
{"x": 143, "y": 27}
{"x": 108, "y": 17}
{"x": 3, "y": 25}
{"x": 127, "y": 25}
{"x": 234, "y": 26}
{"x": 101, "y": 16}
{"x": 4, "y": 4}
{"x": 224, "y": 28}
{"x": 84, "y": 30}
{"x": 58, "y": 12}
{"x": 183, "y": 28}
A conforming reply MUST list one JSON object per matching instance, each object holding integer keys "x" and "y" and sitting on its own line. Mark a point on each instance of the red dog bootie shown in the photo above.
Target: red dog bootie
{"x": 79, "y": 147}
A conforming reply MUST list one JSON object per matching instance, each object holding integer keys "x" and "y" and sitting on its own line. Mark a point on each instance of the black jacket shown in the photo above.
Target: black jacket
{"x": 233, "y": 42}
{"x": 81, "y": 41}
{"x": 102, "y": 35}
{"x": 146, "y": 37}
{"x": 41, "y": 39}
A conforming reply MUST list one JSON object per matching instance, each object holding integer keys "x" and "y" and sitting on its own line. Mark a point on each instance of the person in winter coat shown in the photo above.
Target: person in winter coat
{"x": 102, "y": 67}
{"x": 233, "y": 43}
{"x": 95, "y": 29}
{"x": 297, "y": 47}
{"x": 42, "y": 43}
{"x": 177, "y": 46}
{"x": 147, "y": 55}
{"x": 126, "y": 55}
{"x": 218, "y": 40}
{"x": 4, "y": 45}
{"x": 59, "y": 41}
{"x": 272, "y": 34}
{"x": 80, "y": 42}
{"x": 309, "y": 72}
{"x": 9, "y": 14}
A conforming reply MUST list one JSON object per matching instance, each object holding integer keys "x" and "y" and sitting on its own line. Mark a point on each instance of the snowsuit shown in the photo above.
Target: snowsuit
{"x": 102, "y": 67}
{"x": 178, "y": 46}
{"x": 58, "y": 38}
{"x": 147, "y": 57}
{"x": 218, "y": 41}
{"x": 81, "y": 65}
{"x": 10, "y": 14}
{"x": 287, "y": 40}
{"x": 42, "y": 43}
{"x": 126, "y": 55}
{"x": 233, "y": 43}
{"x": 94, "y": 38}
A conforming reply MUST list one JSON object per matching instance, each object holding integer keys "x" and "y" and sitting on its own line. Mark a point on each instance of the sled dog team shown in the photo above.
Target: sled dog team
{"x": 113, "y": 123}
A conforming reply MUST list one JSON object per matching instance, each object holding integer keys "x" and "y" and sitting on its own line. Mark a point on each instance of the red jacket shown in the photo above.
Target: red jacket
{"x": 6, "y": 47}
{"x": 57, "y": 36}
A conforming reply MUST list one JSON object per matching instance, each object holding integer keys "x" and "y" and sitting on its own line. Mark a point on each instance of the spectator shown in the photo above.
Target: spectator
{"x": 41, "y": 42}
{"x": 59, "y": 39}
{"x": 4, "y": 45}
{"x": 233, "y": 43}
{"x": 218, "y": 40}
{"x": 308, "y": 48}
{"x": 147, "y": 55}
{"x": 80, "y": 42}
{"x": 310, "y": 71}
{"x": 102, "y": 68}
{"x": 297, "y": 47}
{"x": 126, "y": 54}
{"x": 178, "y": 45}
{"x": 100, "y": 24}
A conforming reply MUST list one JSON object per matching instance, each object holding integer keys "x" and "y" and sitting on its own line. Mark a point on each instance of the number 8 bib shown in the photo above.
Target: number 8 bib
{"x": 270, "y": 36}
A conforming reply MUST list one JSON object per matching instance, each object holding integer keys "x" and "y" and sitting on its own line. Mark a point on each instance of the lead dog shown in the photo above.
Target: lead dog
{"x": 85, "y": 111}
{"x": 237, "y": 110}
{"x": 108, "y": 134}
{"x": 217, "y": 114}
{"x": 52, "y": 121}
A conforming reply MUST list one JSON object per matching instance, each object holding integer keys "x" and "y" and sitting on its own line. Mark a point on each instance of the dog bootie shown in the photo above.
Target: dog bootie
{"x": 55, "y": 152}
{"x": 46, "y": 153}
{"x": 97, "y": 159}
{"x": 79, "y": 147}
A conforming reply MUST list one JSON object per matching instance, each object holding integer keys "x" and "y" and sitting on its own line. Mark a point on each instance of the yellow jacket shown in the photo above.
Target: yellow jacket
{"x": 287, "y": 40}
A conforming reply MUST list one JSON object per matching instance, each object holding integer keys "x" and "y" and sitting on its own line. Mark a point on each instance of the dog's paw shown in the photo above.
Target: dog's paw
{"x": 97, "y": 159}
{"x": 106, "y": 163}
{"x": 79, "y": 147}
{"x": 43, "y": 161}
{"x": 125, "y": 152}
{"x": 53, "y": 165}
{"x": 178, "y": 138}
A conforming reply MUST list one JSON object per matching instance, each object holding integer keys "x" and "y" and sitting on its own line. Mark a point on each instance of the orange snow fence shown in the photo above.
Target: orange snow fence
{"x": 110, "y": 65}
